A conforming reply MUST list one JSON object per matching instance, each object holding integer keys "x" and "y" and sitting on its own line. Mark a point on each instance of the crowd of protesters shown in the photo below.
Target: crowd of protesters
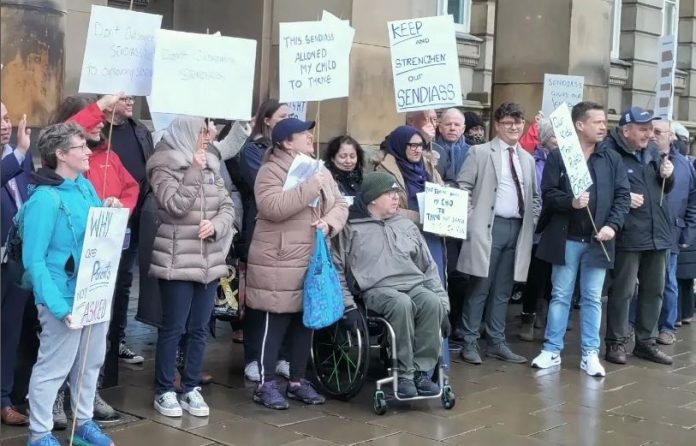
{"x": 197, "y": 198}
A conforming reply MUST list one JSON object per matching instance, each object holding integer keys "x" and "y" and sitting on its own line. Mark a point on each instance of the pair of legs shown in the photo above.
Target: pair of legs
{"x": 14, "y": 302}
{"x": 670, "y": 298}
{"x": 538, "y": 284}
{"x": 563, "y": 279}
{"x": 62, "y": 353}
{"x": 686, "y": 299}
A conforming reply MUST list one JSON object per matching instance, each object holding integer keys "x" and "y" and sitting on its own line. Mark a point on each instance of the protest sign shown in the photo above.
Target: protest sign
{"x": 666, "y": 68}
{"x": 571, "y": 151}
{"x": 119, "y": 51}
{"x": 446, "y": 211}
{"x": 203, "y": 75}
{"x": 314, "y": 59}
{"x": 101, "y": 254}
{"x": 160, "y": 121}
{"x": 561, "y": 89}
{"x": 298, "y": 110}
{"x": 425, "y": 63}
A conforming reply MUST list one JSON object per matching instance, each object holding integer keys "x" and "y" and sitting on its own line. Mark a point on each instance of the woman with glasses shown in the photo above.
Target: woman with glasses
{"x": 406, "y": 161}
{"x": 53, "y": 223}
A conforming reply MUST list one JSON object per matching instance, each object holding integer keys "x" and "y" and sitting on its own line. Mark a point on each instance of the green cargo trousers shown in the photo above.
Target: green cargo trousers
{"x": 416, "y": 316}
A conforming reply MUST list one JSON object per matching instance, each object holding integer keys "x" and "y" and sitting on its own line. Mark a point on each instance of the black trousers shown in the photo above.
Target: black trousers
{"x": 538, "y": 283}
{"x": 277, "y": 329}
{"x": 686, "y": 299}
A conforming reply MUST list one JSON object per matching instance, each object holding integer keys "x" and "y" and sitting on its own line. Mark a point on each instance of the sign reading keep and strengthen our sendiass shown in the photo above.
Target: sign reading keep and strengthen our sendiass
{"x": 119, "y": 51}
{"x": 425, "y": 63}
{"x": 571, "y": 151}
{"x": 203, "y": 75}
{"x": 101, "y": 254}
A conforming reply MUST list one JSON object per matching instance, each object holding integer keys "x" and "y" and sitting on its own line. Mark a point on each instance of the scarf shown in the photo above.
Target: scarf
{"x": 414, "y": 174}
{"x": 348, "y": 182}
{"x": 182, "y": 134}
{"x": 457, "y": 151}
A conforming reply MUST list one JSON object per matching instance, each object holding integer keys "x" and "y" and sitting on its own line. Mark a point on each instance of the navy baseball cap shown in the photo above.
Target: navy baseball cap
{"x": 637, "y": 115}
{"x": 288, "y": 127}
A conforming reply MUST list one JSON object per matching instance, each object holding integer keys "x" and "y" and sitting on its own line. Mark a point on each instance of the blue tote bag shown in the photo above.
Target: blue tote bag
{"x": 323, "y": 297}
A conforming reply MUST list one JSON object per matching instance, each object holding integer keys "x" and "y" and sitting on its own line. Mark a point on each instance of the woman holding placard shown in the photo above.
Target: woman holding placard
{"x": 279, "y": 255}
{"x": 405, "y": 159}
{"x": 188, "y": 258}
{"x": 53, "y": 223}
{"x": 345, "y": 160}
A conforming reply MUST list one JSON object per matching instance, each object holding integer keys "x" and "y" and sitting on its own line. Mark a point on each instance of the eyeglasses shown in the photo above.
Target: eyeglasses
{"x": 393, "y": 194}
{"x": 128, "y": 100}
{"x": 83, "y": 146}
{"x": 415, "y": 146}
{"x": 511, "y": 124}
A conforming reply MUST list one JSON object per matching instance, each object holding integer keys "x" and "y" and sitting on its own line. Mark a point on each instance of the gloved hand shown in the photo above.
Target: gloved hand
{"x": 351, "y": 317}
{"x": 445, "y": 327}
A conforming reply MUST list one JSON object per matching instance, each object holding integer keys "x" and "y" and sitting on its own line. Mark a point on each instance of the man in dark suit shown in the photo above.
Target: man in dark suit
{"x": 16, "y": 166}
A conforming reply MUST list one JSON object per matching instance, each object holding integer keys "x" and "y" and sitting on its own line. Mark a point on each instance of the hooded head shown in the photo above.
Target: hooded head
{"x": 182, "y": 134}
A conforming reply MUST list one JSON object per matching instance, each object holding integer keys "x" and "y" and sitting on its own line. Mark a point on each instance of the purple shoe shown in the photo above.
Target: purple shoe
{"x": 304, "y": 392}
{"x": 269, "y": 395}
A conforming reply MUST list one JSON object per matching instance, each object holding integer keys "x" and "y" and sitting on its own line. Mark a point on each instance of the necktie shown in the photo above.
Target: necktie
{"x": 520, "y": 199}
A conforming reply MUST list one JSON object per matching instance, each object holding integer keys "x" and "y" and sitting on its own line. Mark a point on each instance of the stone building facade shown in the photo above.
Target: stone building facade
{"x": 505, "y": 47}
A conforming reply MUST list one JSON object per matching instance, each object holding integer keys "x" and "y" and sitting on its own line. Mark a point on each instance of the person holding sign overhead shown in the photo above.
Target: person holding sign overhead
{"x": 279, "y": 254}
{"x": 404, "y": 288}
{"x": 404, "y": 159}
{"x": 499, "y": 177}
{"x": 188, "y": 258}
{"x": 568, "y": 239}
{"x": 53, "y": 223}
{"x": 643, "y": 242}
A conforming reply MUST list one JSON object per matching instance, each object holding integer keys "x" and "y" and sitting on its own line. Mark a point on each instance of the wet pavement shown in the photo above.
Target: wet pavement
{"x": 640, "y": 403}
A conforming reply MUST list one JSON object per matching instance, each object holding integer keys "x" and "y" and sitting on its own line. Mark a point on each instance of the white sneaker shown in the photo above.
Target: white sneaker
{"x": 193, "y": 403}
{"x": 251, "y": 372}
{"x": 283, "y": 369}
{"x": 167, "y": 405}
{"x": 546, "y": 360}
{"x": 591, "y": 365}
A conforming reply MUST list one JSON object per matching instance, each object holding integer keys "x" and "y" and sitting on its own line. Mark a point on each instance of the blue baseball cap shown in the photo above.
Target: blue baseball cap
{"x": 637, "y": 115}
{"x": 288, "y": 127}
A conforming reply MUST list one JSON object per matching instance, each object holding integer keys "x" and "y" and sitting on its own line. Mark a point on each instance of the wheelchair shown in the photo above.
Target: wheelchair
{"x": 341, "y": 359}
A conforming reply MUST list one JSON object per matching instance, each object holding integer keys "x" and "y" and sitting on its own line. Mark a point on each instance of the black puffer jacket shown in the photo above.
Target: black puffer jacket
{"x": 648, "y": 227}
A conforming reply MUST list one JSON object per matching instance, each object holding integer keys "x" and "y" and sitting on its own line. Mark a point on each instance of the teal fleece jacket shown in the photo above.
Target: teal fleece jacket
{"x": 54, "y": 222}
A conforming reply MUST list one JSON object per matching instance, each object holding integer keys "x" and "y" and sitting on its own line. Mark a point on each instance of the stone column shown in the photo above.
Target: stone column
{"x": 533, "y": 37}
{"x": 686, "y": 60}
{"x": 483, "y": 27}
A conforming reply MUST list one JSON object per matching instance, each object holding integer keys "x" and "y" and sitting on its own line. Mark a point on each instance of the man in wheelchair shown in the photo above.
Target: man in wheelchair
{"x": 383, "y": 257}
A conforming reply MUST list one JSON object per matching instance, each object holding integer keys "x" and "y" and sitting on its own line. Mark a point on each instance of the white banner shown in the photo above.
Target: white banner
{"x": 160, "y": 121}
{"x": 425, "y": 63}
{"x": 101, "y": 254}
{"x": 445, "y": 211}
{"x": 203, "y": 75}
{"x": 666, "y": 69}
{"x": 314, "y": 59}
{"x": 119, "y": 51}
{"x": 571, "y": 151}
{"x": 298, "y": 110}
{"x": 561, "y": 89}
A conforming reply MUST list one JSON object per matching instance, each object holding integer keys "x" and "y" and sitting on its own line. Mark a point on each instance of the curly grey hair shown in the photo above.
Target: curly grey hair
{"x": 545, "y": 130}
{"x": 56, "y": 137}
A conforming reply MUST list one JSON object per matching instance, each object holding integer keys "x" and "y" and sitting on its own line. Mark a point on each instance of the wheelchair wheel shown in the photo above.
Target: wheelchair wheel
{"x": 340, "y": 358}
{"x": 379, "y": 402}
{"x": 448, "y": 399}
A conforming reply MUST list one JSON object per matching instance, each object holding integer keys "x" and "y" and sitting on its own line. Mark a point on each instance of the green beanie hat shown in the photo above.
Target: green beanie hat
{"x": 375, "y": 184}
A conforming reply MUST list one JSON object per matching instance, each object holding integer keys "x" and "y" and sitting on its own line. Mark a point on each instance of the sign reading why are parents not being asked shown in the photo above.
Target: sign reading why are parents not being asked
{"x": 119, "y": 51}
{"x": 314, "y": 59}
{"x": 571, "y": 151}
{"x": 561, "y": 89}
{"x": 101, "y": 253}
{"x": 445, "y": 210}
{"x": 425, "y": 63}
{"x": 203, "y": 75}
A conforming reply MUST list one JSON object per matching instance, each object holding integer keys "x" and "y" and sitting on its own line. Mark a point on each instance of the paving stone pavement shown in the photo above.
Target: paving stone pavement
{"x": 640, "y": 403}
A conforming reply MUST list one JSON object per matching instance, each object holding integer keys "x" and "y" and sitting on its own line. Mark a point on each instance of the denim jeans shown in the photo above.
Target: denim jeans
{"x": 563, "y": 280}
{"x": 670, "y": 298}
{"x": 186, "y": 309}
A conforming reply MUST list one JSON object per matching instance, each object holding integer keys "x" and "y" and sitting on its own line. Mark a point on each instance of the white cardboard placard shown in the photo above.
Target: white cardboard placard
{"x": 571, "y": 151}
{"x": 561, "y": 89}
{"x": 445, "y": 211}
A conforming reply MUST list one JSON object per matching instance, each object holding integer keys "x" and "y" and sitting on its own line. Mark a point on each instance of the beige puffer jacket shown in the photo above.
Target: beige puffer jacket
{"x": 186, "y": 196}
{"x": 283, "y": 239}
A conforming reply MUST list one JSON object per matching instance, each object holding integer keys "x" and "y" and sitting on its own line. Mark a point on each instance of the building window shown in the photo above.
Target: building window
{"x": 616, "y": 29}
{"x": 670, "y": 17}
{"x": 460, "y": 10}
